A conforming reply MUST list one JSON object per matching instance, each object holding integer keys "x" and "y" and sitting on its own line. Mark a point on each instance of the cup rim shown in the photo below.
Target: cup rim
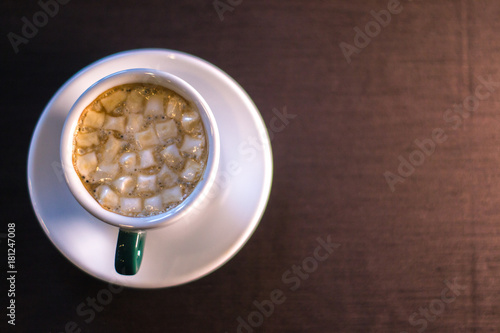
{"x": 140, "y": 75}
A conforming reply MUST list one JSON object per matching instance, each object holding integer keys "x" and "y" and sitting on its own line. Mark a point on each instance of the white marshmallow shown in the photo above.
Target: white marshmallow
{"x": 111, "y": 148}
{"x": 167, "y": 177}
{"x": 115, "y": 124}
{"x": 94, "y": 119}
{"x": 154, "y": 106}
{"x": 174, "y": 107}
{"x": 146, "y": 183}
{"x": 106, "y": 171}
{"x": 128, "y": 161}
{"x": 147, "y": 158}
{"x": 172, "y": 157}
{"x": 192, "y": 146}
{"x": 134, "y": 123}
{"x": 166, "y": 130}
{"x": 107, "y": 197}
{"x": 147, "y": 138}
{"x": 110, "y": 102}
{"x": 192, "y": 171}
{"x": 172, "y": 195}
{"x": 135, "y": 102}
{"x": 85, "y": 140}
{"x": 131, "y": 205}
{"x": 153, "y": 204}
{"x": 86, "y": 164}
{"x": 124, "y": 184}
{"x": 189, "y": 120}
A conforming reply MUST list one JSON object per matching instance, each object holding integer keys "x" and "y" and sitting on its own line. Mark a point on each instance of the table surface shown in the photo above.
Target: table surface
{"x": 390, "y": 152}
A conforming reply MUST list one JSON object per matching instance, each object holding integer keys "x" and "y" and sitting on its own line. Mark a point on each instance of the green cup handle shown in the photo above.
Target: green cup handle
{"x": 129, "y": 251}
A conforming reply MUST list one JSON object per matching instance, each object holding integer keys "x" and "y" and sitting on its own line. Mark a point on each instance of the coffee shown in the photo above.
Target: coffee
{"x": 140, "y": 149}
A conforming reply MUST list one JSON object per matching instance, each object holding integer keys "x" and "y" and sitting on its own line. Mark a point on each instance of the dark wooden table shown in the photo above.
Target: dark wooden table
{"x": 393, "y": 157}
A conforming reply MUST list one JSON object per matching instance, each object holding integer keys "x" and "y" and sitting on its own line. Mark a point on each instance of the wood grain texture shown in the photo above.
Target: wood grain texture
{"x": 353, "y": 122}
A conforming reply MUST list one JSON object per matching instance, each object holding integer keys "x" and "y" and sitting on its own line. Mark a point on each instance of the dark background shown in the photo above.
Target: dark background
{"x": 353, "y": 122}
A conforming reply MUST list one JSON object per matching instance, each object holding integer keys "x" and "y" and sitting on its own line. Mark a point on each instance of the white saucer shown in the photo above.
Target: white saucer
{"x": 189, "y": 249}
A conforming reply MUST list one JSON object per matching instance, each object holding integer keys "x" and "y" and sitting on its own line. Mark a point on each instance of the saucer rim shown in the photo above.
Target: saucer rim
{"x": 264, "y": 195}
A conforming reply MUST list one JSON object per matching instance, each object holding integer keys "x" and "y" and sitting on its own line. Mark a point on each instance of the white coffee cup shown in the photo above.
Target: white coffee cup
{"x": 133, "y": 229}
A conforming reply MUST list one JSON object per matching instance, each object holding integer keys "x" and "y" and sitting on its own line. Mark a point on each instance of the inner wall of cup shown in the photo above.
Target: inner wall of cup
{"x": 142, "y": 76}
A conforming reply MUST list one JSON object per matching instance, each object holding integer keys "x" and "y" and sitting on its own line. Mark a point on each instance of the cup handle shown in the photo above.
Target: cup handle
{"x": 129, "y": 251}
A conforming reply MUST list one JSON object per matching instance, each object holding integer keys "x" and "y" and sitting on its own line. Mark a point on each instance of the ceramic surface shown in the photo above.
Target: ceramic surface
{"x": 182, "y": 252}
